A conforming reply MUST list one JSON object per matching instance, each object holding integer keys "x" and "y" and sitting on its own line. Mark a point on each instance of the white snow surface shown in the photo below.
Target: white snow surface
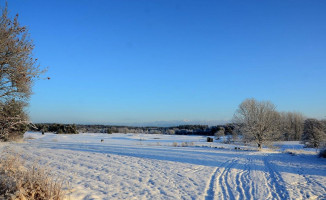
{"x": 139, "y": 166}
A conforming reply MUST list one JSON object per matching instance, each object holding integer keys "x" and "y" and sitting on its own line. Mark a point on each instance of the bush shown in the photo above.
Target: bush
{"x": 209, "y": 139}
{"x": 183, "y": 144}
{"x": 67, "y": 129}
{"x": 322, "y": 153}
{"x": 13, "y": 120}
{"x": 314, "y": 135}
{"x": 187, "y": 144}
{"x": 18, "y": 182}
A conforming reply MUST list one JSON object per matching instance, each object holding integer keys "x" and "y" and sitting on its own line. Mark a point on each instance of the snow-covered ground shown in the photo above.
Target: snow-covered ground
{"x": 138, "y": 166}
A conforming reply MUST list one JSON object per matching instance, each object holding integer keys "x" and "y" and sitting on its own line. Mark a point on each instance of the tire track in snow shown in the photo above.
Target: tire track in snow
{"x": 240, "y": 189}
{"x": 221, "y": 187}
{"x": 210, "y": 191}
{"x": 276, "y": 182}
{"x": 250, "y": 183}
{"x": 223, "y": 182}
{"x": 245, "y": 186}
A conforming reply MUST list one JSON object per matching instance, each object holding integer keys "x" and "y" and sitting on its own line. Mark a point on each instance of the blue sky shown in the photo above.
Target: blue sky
{"x": 137, "y": 61}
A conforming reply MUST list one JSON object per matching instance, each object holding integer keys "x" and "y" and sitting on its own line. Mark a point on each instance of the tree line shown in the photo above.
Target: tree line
{"x": 175, "y": 130}
{"x": 260, "y": 122}
{"x": 255, "y": 121}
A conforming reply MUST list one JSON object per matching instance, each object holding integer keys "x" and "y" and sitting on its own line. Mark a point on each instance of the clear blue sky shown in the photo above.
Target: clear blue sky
{"x": 167, "y": 60}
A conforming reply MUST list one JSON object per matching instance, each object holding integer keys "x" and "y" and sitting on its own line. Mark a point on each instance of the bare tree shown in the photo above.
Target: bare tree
{"x": 18, "y": 70}
{"x": 258, "y": 121}
{"x": 220, "y": 133}
{"x": 292, "y": 125}
{"x": 314, "y": 133}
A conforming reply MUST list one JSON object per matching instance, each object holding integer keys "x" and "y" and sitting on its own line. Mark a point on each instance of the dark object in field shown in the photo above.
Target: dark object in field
{"x": 42, "y": 132}
{"x": 322, "y": 153}
{"x": 102, "y": 140}
{"x": 237, "y": 148}
{"x": 209, "y": 139}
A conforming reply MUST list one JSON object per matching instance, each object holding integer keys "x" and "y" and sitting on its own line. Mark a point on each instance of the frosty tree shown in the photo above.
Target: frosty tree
{"x": 258, "y": 121}
{"x": 220, "y": 133}
{"x": 18, "y": 71}
{"x": 292, "y": 125}
{"x": 314, "y": 133}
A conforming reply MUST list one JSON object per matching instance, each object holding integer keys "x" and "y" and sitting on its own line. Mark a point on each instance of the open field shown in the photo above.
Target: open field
{"x": 138, "y": 166}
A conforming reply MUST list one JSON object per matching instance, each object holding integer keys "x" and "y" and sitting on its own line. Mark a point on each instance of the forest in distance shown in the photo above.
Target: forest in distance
{"x": 254, "y": 121}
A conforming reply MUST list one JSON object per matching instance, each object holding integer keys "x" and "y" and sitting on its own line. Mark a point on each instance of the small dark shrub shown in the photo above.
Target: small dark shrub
{"x": 322, "y": 153}
{"x": 209, "y": 139}
{"x": 67, "y": 129}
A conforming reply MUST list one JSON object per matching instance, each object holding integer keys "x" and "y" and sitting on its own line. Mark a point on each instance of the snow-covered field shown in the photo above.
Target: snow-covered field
{"x": 138, "y": 166}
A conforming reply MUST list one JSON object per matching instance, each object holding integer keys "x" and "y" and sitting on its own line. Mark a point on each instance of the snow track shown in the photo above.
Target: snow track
{"x": 210, "y": 190}
{"x": 225, "y": 191}
{"x": 256, "y": 176}
{"x": 122, "y": 168}
{"x": 233, "y": 181}
{"x": 277, "y": 190}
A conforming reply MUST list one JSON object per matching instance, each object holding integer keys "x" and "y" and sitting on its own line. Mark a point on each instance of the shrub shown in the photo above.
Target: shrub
{"x": 67, "y": 129}
{"x": 313, "y": 134}
{"x": 13, "y": 120}
{"x": 174, "y": 144}
{"x": 322, "y": 153}
{"x": 183, "y": 144}
{"x": 209, "y": 139}
{"x": 220, "y": 132}
{"x": 19, "y": 182}
{"x": 187, "y": 144}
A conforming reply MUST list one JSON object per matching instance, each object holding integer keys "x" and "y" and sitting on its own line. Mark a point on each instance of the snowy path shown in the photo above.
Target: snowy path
{"x": 256, "y": 175}
{"x": 122, "y": 167}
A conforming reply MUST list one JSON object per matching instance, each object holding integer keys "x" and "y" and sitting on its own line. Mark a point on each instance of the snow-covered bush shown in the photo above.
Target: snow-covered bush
{"x": 170, "y": 132}
{"x": 313, "y": 134}
{"x": 220, "y": 133}
{"x": 13, "y": 120}
{"x": 187, "y": 144}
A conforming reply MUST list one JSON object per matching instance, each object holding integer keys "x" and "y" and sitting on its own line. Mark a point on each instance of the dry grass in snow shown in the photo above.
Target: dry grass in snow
{"x": 20, "y": 182}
